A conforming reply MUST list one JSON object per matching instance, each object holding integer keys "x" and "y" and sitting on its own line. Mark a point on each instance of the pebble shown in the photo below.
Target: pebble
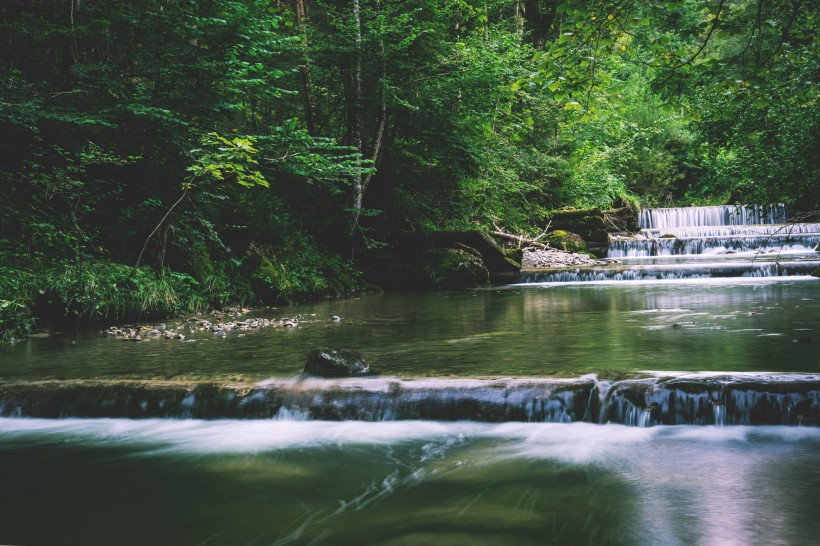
{"x": 195, "y": 324}
{"x": 541, "y": 258}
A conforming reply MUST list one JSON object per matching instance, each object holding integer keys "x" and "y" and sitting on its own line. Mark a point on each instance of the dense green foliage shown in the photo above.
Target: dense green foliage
{"x": 163, "y": 156}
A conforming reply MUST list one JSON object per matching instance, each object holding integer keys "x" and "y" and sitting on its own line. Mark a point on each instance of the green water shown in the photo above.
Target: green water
{"x": 278, "y": 482}
{"x": 553, "y": 330}
{"x": 404, "y": 483}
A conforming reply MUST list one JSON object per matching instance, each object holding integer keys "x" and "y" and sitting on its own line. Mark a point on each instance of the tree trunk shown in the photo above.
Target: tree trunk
{"x": 382, "y": 121}
{"x": 539, "y": 17}
{"x": 307, "y": 80}
{"x": 354, "y": 107}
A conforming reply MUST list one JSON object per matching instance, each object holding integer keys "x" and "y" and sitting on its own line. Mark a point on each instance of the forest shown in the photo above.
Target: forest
{"x": 168, "y": 156}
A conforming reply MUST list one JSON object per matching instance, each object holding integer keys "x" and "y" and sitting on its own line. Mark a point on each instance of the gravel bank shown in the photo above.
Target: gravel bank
{"x": 539, "y": 258}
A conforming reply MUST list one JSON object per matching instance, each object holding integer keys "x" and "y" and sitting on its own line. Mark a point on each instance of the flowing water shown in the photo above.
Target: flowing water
{"x": 610, "y": 406}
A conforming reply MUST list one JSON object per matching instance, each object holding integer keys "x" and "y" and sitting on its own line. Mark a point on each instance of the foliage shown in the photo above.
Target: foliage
{"x": 262, "y": 146}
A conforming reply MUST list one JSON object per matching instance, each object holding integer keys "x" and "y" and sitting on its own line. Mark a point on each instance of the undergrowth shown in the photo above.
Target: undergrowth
{"x": 88, "y": 292}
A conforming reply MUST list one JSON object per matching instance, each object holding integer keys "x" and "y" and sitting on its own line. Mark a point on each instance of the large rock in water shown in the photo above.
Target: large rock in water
{"x": 336, "y": 363}
{"x": 453, "y": 268}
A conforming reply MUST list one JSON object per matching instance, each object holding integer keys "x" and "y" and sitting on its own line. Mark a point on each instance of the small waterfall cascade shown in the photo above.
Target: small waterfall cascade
{"x": 726, "y": 215}
{"x": 715, "y": 231}
{"x": 671, "y": 399}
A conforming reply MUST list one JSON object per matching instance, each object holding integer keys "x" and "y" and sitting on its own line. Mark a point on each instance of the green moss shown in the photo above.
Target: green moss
{"x": 565, "y": 240}
{"x": 453, "y": 268}
{"x": 514, "y": 256}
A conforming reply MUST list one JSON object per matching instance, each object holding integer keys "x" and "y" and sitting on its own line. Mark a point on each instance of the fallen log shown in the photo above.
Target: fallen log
{"x": 519, "y": 239}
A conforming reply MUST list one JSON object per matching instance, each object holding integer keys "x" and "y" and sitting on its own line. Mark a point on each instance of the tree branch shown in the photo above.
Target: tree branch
{"x": 159, "y": 225}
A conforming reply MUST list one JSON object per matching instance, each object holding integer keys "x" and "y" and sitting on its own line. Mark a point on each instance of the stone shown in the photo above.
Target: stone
{"x": 565, "y": 240}
{"x": 453, "y": 268}
{"x": 540, "y": 258}
{"x": 588, "y": 223}
{"x": 623, "y": 219}
{"x": 326, "y": 362}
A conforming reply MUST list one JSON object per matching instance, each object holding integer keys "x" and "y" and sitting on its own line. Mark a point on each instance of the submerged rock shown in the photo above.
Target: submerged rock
{"x": 336, "y": 363}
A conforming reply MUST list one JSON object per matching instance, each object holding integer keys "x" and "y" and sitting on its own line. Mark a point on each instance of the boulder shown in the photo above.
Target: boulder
{"x": 565, "y": 240}
{"x": 621, "y": 220}
{"x": 453, "y": 268}
{"x": 326, "y": 362}
{"x": 588, "y": 223}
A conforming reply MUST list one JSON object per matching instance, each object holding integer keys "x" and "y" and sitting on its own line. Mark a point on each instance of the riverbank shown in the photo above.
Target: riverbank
{"x": 70, "y": 295}
{"x": 542, "y": 258}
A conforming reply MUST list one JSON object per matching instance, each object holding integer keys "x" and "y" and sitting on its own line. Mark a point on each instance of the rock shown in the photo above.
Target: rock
{"x": 335, "y": 318}
{"x": 453, "y": 268}
{"x": 816, "y": 273}
{"x": 623, "y": 219}
{"x": 515, "y": 255}
{"x": 326, "y": 362}
{"x": 539, "y": 258}
{"x": 588, "y": 223}
{"x": 565, "y": 240}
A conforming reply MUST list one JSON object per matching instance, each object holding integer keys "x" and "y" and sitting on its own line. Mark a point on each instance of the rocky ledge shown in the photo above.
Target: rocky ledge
{"x": 540, "y": 258}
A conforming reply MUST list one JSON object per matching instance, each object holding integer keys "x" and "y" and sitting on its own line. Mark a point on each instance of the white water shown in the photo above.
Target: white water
{"x": 721, "y": 230}
{"x": 727, "y": 215}
{"x": 676, "y": 485}
{"x": 577, "y": 443}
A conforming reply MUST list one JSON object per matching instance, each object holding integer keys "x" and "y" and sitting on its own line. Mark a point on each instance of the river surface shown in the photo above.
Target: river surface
{"x": 286, "y": 481}
{"x": 549, "y": 330}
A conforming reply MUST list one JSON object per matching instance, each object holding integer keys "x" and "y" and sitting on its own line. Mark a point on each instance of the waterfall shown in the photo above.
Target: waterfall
{"x": 673, "y": 399}
{"x": 726, "y": 215}
{"x": 718, "y": 230}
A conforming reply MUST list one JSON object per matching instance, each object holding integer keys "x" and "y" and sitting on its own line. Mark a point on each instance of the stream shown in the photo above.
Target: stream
{"x": 670, "y": 398}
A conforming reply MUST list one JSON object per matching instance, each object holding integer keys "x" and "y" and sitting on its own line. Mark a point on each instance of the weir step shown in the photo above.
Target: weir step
{"x": 678, "y": 399}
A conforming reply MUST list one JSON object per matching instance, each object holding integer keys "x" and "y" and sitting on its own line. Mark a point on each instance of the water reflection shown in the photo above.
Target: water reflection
{"x": 553, "y": 330}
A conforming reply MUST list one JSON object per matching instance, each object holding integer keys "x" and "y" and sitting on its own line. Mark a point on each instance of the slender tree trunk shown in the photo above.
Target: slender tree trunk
{"x": 382, "y": 122}
{"x": 159, "y": 225}
{"x": 354, "y": 124}
{"x": 519, "y": 18}
{"x": 307, "y": 80}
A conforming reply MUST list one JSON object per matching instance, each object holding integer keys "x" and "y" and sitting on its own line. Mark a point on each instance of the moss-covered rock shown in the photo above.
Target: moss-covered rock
{"x": 588, "y": 223}
{"x": 565, "y": 240}
{"x": 453, "y": 268}
{"x": 622, "y": 219}
{"x": 515, "y": 256}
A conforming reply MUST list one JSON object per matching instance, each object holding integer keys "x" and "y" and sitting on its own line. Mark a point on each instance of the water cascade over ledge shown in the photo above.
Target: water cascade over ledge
{"x": 676, "y": 399}
{"x": 717, "y": 230}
